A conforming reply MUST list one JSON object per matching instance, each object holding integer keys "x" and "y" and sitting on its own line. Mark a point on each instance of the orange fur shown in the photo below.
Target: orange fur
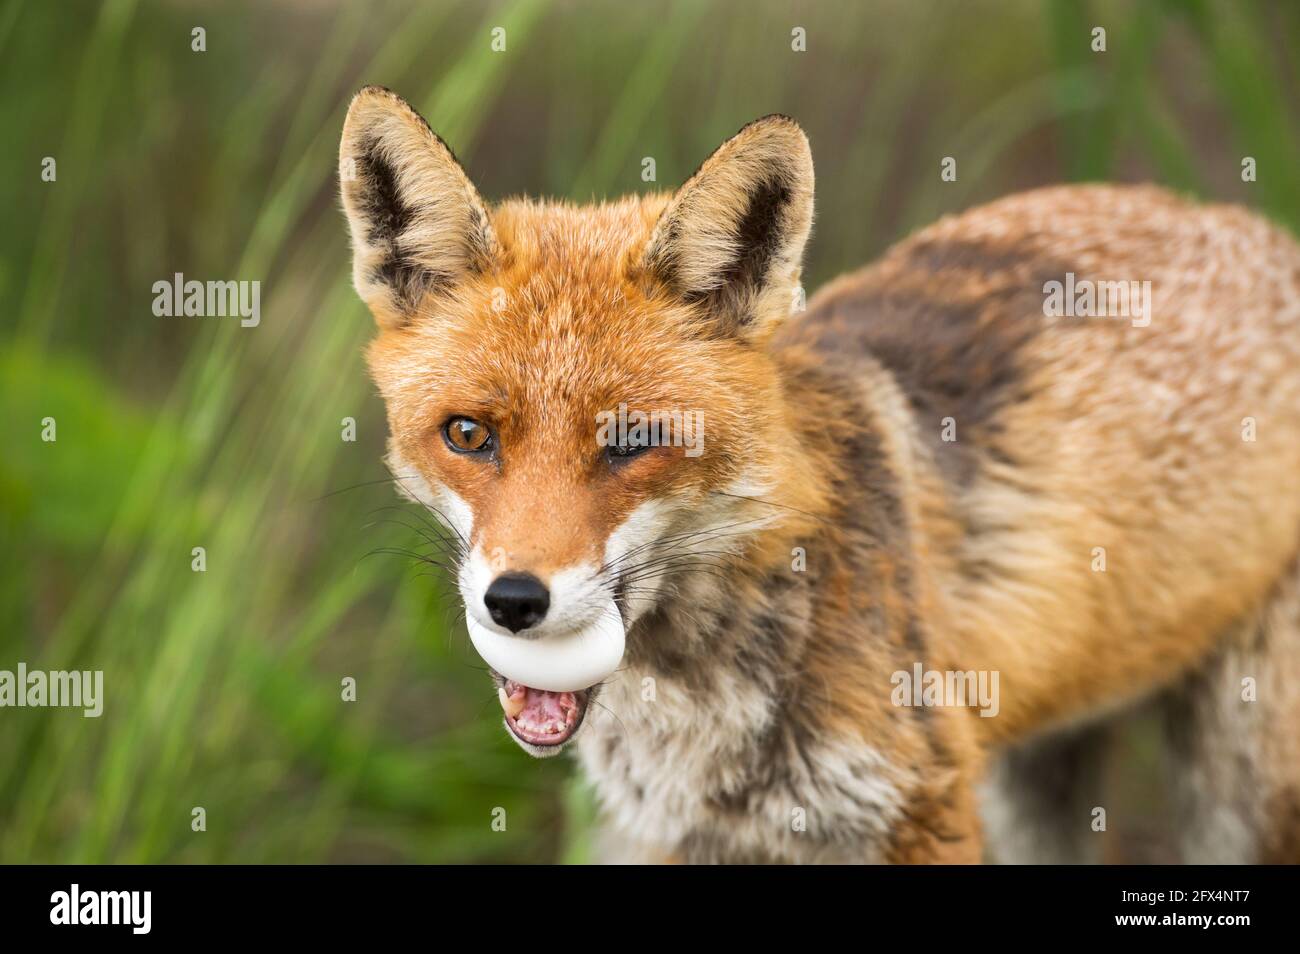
{"x": 822, "y": 437}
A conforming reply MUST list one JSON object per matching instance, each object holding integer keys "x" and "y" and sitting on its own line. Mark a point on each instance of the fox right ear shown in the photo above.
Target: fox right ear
{"x": 732, "y": 238}
{"x": 418, "y": 226}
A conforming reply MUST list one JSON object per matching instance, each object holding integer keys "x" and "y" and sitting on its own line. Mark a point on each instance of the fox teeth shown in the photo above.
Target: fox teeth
{"x": 512, "y": 707}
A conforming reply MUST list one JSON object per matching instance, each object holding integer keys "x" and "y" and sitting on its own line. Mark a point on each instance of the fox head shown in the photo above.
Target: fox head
{"x": 584, "y": 395}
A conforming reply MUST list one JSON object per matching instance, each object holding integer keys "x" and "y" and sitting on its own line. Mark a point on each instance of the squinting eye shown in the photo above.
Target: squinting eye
{"x": 467, "y": 436}
{"x": 619, "y": 453}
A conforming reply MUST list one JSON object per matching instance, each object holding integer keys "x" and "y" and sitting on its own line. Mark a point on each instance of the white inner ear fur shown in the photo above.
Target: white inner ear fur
{"x": 701, "y": 234}
{"x": 444, "y": 230}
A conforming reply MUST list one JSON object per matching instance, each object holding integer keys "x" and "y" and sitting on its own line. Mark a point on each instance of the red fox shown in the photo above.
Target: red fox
{"x": 740, "y": 552}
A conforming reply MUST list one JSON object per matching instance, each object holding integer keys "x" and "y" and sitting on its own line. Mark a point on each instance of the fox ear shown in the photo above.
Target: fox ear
{"x": 732, "y": 238}
{"x": 418, "y": 226}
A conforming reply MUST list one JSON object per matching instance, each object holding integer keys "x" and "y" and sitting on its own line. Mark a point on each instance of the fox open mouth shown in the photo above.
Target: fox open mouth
{"x": 541, "y": 717}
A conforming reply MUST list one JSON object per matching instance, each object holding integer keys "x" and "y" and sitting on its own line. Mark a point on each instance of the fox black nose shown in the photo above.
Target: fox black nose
{"x": 517, "y": 601}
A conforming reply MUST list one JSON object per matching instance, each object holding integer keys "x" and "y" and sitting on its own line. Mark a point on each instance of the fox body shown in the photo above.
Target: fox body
{"x": 920, "y": 469}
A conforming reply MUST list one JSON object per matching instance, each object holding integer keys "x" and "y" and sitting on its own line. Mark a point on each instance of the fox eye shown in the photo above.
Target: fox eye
{"x": 618, "y": 454}
{"x": 467, "y": 436}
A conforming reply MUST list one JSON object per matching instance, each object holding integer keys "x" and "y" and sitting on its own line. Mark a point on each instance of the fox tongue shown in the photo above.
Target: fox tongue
{"x": 538, "y": 710}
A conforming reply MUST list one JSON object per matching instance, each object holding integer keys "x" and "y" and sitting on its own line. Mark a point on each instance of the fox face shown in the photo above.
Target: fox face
{"x": 582, "y": 395}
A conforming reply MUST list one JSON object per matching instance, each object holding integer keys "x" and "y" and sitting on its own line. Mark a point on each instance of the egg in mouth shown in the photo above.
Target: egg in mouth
{"x": 545, "y": 682}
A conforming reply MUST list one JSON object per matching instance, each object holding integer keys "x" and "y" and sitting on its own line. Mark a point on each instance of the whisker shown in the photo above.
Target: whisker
{"x": 771, "y": 503}
{"x": 621, "y": 724}
{"x": 392, "y": 478}
{"x": 431, "y": 541}
{"x": 672, "y": 540}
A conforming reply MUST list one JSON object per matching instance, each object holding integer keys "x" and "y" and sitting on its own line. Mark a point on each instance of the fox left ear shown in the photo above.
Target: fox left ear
{"x": 418, "y": 225}
{"x": 732, "y": 238}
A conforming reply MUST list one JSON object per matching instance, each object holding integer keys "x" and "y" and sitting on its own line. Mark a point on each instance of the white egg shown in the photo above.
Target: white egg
{"x": 565, "y": 663}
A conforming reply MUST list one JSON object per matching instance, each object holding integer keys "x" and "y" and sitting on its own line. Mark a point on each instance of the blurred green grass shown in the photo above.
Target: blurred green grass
{"x": 223, "y": 687}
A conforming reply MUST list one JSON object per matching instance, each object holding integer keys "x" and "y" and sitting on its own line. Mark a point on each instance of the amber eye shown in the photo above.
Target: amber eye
{"x": 467, "y": 436}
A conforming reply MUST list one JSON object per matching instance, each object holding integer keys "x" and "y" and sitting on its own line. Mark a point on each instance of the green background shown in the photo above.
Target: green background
{"x": 223, "y": 687}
